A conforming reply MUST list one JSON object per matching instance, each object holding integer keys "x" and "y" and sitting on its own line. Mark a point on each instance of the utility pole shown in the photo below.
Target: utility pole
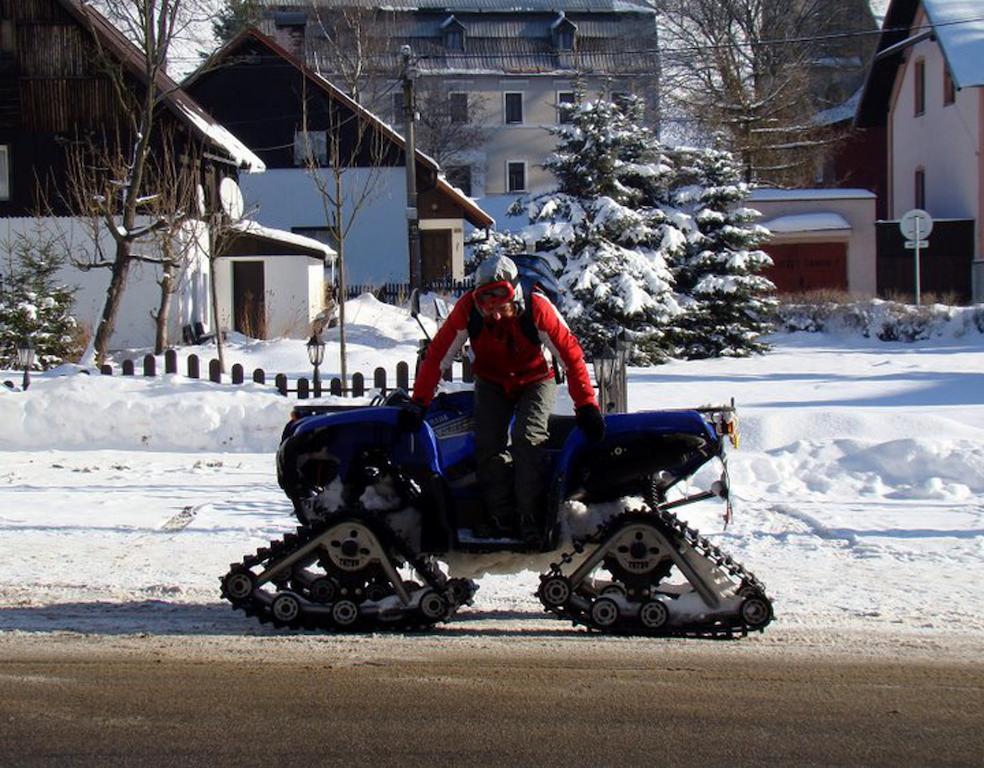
{"x": 410, "y": 147}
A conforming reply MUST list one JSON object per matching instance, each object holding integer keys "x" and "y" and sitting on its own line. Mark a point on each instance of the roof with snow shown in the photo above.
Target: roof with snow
{"x": 511, "y": 37}
{"x": 821, "y": 221}
{"x": 764, "y": 195}
{"x": 253, "y": 239}
{"x": 958, "y": 26}
{"x": 185, "y": 108}
{"x": 475, "y": 6}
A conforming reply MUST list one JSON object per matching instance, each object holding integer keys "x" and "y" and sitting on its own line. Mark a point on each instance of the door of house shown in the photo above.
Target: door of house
{"x": 248, "y": 304}
{"x": 435, "y": 254}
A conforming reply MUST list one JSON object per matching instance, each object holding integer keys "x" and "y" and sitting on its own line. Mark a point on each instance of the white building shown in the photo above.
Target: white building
{"x": 926, "y": 86}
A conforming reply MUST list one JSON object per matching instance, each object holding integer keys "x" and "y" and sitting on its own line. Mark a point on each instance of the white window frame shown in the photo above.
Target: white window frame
{"x": 560, "y": 105}
{"x": 4, "y": 172}
{"x": 526, "y": 176}
{"x": 505, "y": 107}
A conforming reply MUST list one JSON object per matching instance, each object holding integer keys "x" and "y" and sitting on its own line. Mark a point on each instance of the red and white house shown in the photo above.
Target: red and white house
{"x": 926, "y": 87}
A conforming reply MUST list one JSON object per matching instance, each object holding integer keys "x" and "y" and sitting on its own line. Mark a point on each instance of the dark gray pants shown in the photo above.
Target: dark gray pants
{"x": 513, "y": 480}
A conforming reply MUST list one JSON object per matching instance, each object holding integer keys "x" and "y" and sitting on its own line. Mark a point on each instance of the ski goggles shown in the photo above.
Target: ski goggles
{"x": 494, "y": 295}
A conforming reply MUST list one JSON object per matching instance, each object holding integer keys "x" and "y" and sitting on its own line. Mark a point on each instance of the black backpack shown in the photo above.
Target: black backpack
{"x": 534, "y": 276}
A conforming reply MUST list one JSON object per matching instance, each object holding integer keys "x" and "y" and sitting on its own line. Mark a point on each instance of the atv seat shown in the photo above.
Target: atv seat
{"x": 560, "y": 429}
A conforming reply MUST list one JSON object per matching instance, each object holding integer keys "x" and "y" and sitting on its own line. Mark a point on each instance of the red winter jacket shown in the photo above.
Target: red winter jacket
{"x": 504, "y": 354}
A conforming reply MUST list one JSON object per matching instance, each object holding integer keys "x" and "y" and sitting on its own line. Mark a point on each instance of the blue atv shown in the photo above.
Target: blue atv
{"x": 380, "y": 510}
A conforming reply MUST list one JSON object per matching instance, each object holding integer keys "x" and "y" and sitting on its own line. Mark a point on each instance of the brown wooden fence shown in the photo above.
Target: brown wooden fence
{"x": 302, "y": 387}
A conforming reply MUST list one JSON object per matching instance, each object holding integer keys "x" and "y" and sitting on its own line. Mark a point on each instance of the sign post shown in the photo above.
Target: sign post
{"x": 916, "y": 225}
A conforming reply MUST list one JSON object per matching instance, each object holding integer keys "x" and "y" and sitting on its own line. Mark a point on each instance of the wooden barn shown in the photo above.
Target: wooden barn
{"x": 61, "y": 66}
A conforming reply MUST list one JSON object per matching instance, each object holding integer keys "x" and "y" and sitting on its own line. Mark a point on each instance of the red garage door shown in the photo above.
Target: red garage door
{"x": 802, "y": 267}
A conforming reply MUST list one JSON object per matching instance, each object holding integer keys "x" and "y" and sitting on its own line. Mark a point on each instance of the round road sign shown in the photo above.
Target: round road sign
{"x": 908, "y": 224}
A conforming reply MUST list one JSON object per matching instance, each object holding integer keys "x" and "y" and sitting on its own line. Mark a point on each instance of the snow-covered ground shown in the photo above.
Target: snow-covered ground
{"x": 859, "y": 483}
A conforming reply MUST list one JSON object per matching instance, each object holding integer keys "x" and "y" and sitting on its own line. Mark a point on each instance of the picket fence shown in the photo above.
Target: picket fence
{"x": 399, "y": 293}
{"x": 303, "y": 387}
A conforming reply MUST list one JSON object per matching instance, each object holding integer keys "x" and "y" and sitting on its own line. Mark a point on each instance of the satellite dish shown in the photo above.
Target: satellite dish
{"x": 231, "y": 198}
{"x": 200, "y": 200}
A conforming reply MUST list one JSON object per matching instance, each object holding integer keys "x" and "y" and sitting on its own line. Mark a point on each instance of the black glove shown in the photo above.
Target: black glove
{"x": 591, "y": 422}
{"x": 411, "y": 416}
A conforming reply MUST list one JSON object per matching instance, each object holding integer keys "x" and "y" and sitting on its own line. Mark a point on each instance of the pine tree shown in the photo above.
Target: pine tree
{"x": 35, "y": 305}
{"x": 233, "y": 17}
{"x": 729, "y": 303}
{"x": 606, "y": 231}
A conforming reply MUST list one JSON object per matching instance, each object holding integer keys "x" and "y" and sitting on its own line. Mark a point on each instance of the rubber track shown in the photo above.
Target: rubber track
{"x": 676, "y": 531}
{"x": 277, "y": 549}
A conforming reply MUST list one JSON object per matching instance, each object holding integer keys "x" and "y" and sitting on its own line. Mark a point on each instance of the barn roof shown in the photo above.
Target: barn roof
{"x": 185, "y": 108}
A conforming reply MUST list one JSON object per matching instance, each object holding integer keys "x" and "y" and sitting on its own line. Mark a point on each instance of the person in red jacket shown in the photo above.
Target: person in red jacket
{"x": 511, "y": 335}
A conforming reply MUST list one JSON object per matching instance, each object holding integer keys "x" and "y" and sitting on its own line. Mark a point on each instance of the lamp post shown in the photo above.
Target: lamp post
{"x": 25, "y": 358}
{"x": 603, "y": 361}
{"x": 622, "y": 349}
{"x": 316, "y": 354}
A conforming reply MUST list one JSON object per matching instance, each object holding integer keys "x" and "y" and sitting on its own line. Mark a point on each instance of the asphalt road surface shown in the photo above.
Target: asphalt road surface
{"x": 539, "y": 700}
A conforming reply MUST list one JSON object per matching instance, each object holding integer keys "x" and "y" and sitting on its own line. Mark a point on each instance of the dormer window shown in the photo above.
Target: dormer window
{"x": 564, "y": 33}
{"x": 453, "y": 32}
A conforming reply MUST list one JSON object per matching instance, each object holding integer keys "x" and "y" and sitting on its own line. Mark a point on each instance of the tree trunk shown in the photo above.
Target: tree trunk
{"x": 164, "y": 308}
{"x": 114, "y": 297}
{"x": 217, "y": 329}
{"x": 340, "y": 257}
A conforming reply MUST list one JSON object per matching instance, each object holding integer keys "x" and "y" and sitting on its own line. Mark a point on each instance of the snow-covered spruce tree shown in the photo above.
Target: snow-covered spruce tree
{"x": 34, "y": 304}
{"x": 729, "y": 303}
{"x": 607, "y": 231}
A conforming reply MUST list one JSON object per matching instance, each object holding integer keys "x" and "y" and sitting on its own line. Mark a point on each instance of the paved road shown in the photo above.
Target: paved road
{"x": 500, "y": 705}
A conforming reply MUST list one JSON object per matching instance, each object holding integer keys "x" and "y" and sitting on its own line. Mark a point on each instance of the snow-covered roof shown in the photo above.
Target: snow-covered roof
{"x": 216, "y": 134}
{"x": 841, "y": 112}
{"x": 807, "y": 222}
{"x": 809, "y": 194}
{"x": 959, "y": 28}
{"x": 255, "y": 229}
{"x": 179, "y": 102}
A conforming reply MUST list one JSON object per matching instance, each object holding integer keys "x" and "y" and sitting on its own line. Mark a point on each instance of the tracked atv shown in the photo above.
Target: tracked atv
{"x": 359, "y": 563}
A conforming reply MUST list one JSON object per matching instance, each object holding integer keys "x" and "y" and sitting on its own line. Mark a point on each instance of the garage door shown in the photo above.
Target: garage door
{"x": 802, "y": 267}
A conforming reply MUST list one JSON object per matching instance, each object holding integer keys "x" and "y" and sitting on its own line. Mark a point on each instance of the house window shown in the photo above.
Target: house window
{"x": 458, "y": 107}
{"x": 516, "y": 176}
{"x": 949, "y": 89}
{"x": 565, "y": 39}
{"x": 460, "y": 176}
{"x": 920, "y": 188}
{"x": 565, "y": 105}
{"x": 310, "y": 147}
{"x": 919, "y": 84}
{"x": 514, "y": 107}
{"x": 454, "y": 40}
{"x": 398, "y": 108}
{"x": 4, "y": 172}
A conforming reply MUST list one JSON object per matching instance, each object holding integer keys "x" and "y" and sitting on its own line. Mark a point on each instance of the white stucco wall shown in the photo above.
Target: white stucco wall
{"x": 856, "y": 206}
{"x": 376, "y": 249}
{"x": 134, "y": 325}
{"x": 944, "y": 141}
{"x": 293, "y": 292}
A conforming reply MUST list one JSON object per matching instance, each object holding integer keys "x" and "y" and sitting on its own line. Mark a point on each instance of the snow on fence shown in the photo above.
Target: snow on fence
{"x": 303, "y": 387}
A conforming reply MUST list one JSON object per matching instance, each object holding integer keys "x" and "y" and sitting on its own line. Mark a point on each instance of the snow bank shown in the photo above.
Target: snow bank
{"x": 885, "y": 320}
